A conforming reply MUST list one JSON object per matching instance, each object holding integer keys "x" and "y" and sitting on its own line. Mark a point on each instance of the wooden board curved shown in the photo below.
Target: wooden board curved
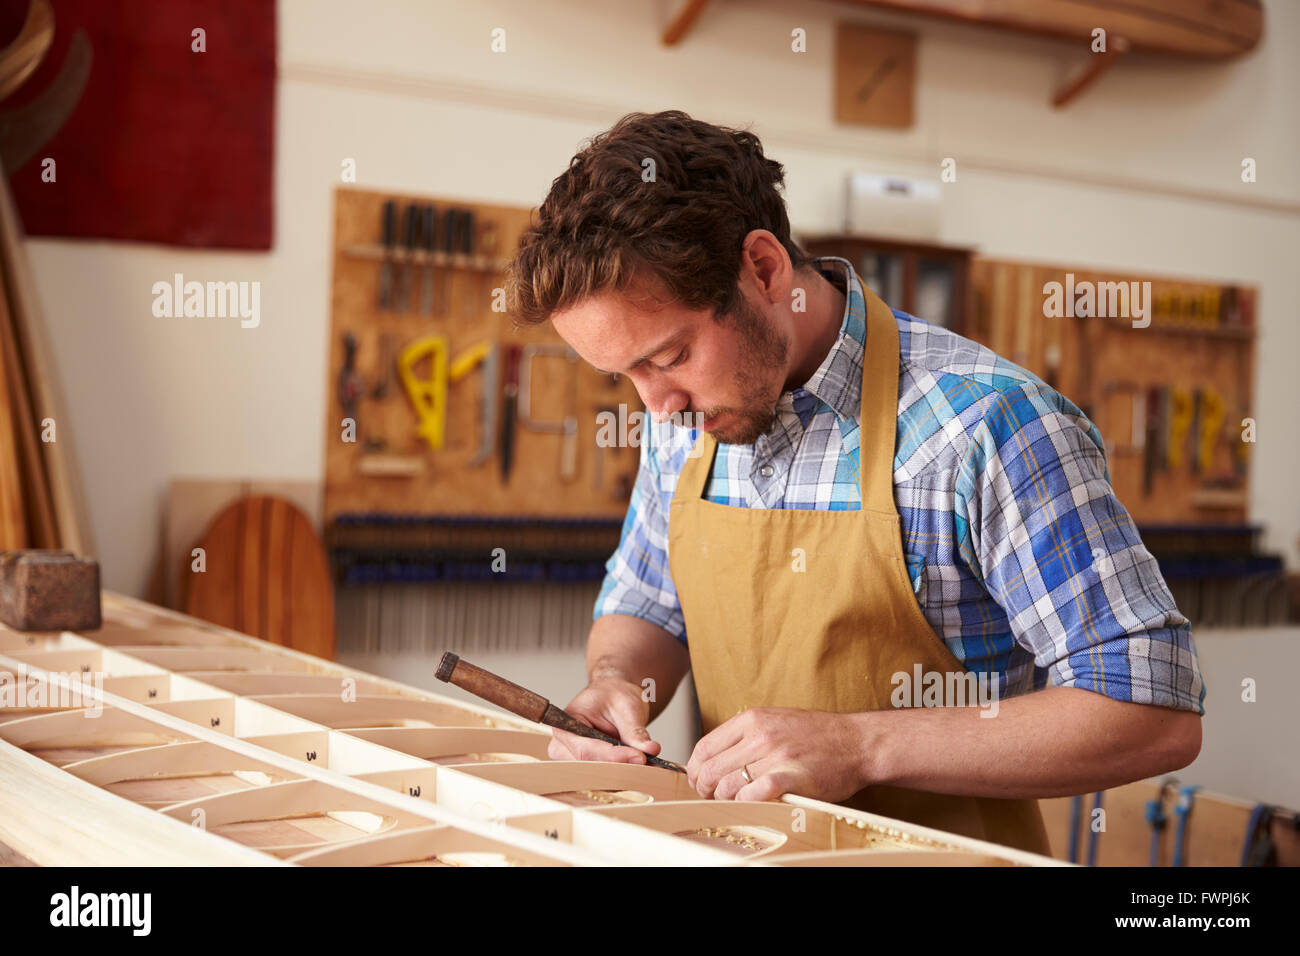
{"x": 565, "y": 776}
{"x": 762, "y": 829}
{"x": 80, "y": 728}
{"x": 287, "y": 818}
{"x": 444, "y": 744}
{"x": 194, "y": 756}
{"x": 426, "y": 846}
{"x": 386, "y": 711}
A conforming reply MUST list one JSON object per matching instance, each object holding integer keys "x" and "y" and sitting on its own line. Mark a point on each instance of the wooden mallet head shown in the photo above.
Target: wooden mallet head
{"x": 45, "y": 590}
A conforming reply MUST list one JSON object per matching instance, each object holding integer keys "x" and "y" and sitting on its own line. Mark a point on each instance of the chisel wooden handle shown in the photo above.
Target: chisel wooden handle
{"x": 493, "y": 689}
{"x": 521, "y": 701}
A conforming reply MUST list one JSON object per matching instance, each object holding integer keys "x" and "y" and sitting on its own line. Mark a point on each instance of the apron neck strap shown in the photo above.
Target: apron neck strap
{"x": 699, "y": 463}
{"x": 878, "y": 417}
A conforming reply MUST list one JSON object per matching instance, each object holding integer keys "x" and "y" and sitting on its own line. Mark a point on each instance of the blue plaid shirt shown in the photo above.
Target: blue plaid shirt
{"x": 1021, "y": 557}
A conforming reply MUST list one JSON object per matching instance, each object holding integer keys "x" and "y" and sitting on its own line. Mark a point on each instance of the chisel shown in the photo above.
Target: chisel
{"x": 446, "y": 244}
{"x": 468, "y": 246}
{"x": 487, "y": 247}
{"x": 411, "y": 241}
{"x": 351, "y": 385}
{"x": 521, "y": 701}
{"x": 509, "y": 410}
{"x": 428, "y": 237}
{"x": 390, "y": 241}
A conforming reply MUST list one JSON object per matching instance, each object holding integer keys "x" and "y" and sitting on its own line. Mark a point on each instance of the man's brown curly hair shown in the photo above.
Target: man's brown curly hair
{"x": 607, "y": 225}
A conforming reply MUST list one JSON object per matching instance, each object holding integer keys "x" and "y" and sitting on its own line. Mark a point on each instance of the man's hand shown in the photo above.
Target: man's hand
{"x": 616, "y": 707}
{"x": 808, "y": 752}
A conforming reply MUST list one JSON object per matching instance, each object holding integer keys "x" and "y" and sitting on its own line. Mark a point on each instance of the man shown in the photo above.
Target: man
{"x": 850, "y": 502}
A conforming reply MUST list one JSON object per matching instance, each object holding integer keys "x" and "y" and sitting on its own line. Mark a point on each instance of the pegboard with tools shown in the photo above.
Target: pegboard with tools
{"x": 1169, "y": 397}
{"x": 1167, "y": 379}
{"x": 438, "y": 405}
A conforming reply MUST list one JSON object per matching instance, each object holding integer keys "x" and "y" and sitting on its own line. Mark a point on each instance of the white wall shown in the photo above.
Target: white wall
{"x": 411, "y": 91}
{"x": 1248, "y": 746}
{"x": 1141, "y": 174}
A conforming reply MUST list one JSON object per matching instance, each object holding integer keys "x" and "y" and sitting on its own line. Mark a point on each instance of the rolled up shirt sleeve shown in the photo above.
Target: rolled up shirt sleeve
{"x": 637, "y": 581}
{"x": 1057, "y": 550}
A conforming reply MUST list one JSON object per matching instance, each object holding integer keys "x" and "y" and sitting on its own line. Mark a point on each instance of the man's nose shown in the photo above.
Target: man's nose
{"x": 662, "y": 401}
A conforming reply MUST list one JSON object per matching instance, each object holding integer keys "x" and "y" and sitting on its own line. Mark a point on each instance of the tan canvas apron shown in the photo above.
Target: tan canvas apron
{"x": 829, "y": 637}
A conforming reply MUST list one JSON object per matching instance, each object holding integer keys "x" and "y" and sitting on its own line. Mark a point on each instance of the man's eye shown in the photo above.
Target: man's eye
{"x": 681, "y": 357}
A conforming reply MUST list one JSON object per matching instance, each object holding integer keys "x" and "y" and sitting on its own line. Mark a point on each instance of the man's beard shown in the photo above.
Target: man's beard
{"x": 763, "y": 352}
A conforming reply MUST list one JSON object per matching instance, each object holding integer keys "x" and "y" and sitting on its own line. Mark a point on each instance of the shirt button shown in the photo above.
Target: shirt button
{"x": 766, "y": 471}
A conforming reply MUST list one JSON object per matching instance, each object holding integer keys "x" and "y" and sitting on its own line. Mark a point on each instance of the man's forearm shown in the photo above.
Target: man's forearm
{"x": 632, "y": 649}
{"x": 1055, "y": 742}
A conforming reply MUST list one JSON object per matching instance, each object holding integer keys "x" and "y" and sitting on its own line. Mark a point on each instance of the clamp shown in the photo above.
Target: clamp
{"x": 568, "y": 427}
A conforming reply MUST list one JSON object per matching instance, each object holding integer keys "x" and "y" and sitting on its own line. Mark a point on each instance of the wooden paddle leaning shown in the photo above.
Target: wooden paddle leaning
{"x": 265, "y": 574}
{"x": 521, "y": 701}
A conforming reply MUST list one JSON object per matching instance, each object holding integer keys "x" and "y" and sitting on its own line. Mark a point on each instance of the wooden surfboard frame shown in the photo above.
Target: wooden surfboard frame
{"x": 301, "y": 760}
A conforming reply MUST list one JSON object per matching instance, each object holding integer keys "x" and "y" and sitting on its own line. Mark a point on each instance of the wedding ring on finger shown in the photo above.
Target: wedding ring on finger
{"x": 744, "y": 772}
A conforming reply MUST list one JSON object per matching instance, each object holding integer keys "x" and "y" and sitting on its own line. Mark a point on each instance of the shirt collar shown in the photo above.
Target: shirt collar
{"x": 838, "y": 380}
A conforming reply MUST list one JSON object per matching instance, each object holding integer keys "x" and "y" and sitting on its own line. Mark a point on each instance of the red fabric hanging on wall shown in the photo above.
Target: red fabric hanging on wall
{"x": 166, "y": 144}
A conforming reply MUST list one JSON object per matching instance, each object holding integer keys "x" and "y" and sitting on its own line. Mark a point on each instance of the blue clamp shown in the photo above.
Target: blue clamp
{"x": 1255, "y": 851}
{"x": 1156, "y": 819}
{"x": 1186, "y": 797}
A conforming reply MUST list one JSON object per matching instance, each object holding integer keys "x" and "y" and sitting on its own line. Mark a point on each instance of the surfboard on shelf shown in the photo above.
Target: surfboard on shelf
{"x": 1210, "y": 29}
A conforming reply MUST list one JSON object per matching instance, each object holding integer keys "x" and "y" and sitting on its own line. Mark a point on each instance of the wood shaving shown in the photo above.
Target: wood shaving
{"x": 730, "y": 835}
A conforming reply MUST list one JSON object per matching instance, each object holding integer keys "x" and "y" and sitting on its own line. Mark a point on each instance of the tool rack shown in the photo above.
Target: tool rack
{"x": 1171, "y": 399}
{"x": 214, "y": 748}
{"x": 1201, "y": 337}
{"x": 557, "y": 470}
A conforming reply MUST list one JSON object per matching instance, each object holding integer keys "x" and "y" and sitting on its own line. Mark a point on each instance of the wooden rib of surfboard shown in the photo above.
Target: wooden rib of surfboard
{"x": 165, "y": 740}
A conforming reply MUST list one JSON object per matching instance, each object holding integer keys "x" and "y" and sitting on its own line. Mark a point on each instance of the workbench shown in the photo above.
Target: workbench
{"x": 160, "y": 739}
